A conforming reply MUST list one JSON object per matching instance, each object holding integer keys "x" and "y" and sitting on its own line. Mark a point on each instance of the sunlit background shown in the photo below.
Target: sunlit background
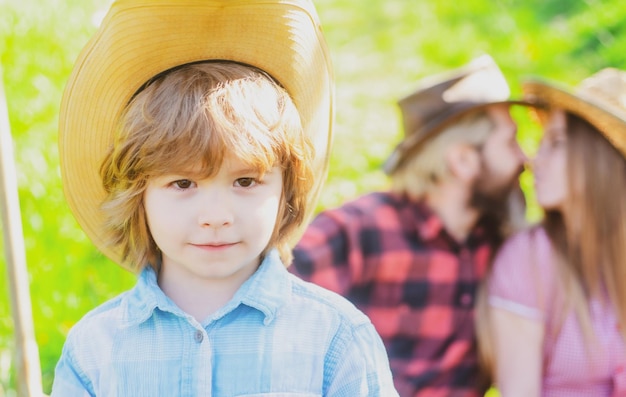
{"x": 380, "y": 49}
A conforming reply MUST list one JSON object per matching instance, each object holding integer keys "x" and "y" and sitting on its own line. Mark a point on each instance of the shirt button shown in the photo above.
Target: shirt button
{"x": 465, "y": 255}
{"x": 198, "y": 336}
{"x": 466, "y": 299}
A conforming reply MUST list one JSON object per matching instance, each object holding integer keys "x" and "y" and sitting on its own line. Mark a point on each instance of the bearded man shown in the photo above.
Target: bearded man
{"x": 412, "y": 257}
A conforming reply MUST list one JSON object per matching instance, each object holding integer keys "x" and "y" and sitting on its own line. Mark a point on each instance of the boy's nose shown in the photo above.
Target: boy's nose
{"x": 214, "y": 210}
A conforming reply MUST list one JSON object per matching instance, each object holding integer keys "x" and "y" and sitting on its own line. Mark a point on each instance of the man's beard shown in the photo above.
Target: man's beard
{"x": 503, "y": 205}
{"x": 489, "y": 200}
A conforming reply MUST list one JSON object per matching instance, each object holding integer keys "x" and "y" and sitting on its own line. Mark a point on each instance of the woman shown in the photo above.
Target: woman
{"x": 553, "y": 317}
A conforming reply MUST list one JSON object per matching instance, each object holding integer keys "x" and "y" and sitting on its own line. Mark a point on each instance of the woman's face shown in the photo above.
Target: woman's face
{"x": 550, "y": 163}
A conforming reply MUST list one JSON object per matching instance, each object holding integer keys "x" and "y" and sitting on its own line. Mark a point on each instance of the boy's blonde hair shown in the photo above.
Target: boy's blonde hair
{"x": 195, "y": 114}
{"x": 427, "y": 166}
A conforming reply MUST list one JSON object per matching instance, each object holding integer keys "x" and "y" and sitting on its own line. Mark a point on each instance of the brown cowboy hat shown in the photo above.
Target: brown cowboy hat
{"x": 600, "y": 99}
{"x": 442, "y": 99}
{"x": 139, "y": 39}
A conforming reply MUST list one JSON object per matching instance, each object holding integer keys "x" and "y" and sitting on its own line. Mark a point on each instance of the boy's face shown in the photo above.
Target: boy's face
{"x": 213, "y": 230}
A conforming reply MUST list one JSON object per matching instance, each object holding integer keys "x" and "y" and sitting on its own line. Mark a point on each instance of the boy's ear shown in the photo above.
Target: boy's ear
{"x": 463, "y": 161}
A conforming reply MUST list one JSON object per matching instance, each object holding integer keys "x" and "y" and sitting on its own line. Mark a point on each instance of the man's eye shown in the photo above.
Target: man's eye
{"x": 245, "y": 182}
{"x": 183, "y": 184}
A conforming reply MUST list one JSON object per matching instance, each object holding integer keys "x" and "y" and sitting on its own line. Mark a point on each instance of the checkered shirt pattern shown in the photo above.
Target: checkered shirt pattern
{"x": 393, "y": 259}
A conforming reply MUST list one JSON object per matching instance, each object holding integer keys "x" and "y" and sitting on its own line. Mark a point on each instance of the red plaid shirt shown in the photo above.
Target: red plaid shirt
{"x": 393, "y": 259}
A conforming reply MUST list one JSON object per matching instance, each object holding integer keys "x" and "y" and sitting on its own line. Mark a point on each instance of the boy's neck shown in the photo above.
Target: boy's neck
{"x": 196, "y": 296}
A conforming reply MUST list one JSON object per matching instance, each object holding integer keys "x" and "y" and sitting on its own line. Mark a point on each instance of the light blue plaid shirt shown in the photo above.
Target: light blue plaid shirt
{"x": 279, "y": 336}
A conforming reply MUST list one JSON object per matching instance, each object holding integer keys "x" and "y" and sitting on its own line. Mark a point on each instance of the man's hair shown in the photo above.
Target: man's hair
{"x": 197, "y": 114}
{"x": 426, "y": 166}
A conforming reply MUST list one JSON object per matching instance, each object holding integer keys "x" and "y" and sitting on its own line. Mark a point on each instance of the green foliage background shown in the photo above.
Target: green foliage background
{"x": 380, "y": 49}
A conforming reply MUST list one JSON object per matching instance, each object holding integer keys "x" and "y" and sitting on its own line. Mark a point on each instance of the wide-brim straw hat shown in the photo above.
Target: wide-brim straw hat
{"x": 442, "y": 99}
{"x": 599, "y": 99}
{"x": 139, "y": 39}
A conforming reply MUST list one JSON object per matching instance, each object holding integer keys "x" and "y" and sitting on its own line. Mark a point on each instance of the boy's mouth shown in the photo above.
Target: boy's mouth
{"x": 214, "y": 245}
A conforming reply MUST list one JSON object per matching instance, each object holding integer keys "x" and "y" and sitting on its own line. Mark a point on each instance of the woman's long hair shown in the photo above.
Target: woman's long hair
{"x": 590, "y": 237}
{"x": 589, "y": 240}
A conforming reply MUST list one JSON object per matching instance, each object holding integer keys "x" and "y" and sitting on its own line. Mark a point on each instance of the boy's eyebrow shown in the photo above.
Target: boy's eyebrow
{"x": 184, "y": 172}
{"x": 246, "y": 170}
{"x": 252, "y": 169}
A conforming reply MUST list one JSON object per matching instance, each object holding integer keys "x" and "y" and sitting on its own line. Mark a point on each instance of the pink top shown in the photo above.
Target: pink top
{"x": 523, "y": 282}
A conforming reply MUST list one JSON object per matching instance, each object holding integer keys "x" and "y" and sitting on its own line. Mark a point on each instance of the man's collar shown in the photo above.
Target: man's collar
{"x": 429, "y": 225}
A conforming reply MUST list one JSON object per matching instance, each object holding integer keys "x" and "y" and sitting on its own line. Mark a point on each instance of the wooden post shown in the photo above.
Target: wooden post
{"x": 27, "y": 366}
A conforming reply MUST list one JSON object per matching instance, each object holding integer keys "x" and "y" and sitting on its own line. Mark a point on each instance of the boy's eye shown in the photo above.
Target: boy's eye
{"x": 182, "y": 183}
{"x": 245, "y": 182}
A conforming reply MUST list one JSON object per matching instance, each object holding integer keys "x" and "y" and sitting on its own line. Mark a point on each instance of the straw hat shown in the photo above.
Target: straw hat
{"x": 442, "y": 99}
{"x": 139, "y": 39}
{"x": 600, "y": 99}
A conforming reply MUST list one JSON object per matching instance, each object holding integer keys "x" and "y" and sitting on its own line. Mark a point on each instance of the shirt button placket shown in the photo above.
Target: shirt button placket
{"x": 466, "y": 300}
{"x": 467, "y": 272}
{"x": 198, "y": 336}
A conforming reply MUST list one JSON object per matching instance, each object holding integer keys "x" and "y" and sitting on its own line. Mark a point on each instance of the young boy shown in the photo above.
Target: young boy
{"x": 208, "y": 168}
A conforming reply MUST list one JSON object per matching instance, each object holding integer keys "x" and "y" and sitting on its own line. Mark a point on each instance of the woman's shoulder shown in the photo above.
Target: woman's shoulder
{"x": 526, "y": 237}
{"x": 523, "y": 270}
{"x": 531, "y": 245}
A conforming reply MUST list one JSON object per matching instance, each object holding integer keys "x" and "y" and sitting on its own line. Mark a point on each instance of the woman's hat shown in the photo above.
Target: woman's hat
{"x": 442, "y": 99}
{"x": 600, "y": 99}
{"x": 139, "y": 39}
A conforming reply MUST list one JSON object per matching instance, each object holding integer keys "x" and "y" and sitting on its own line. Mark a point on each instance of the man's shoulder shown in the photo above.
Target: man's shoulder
{"x": 368, "y": 206}
{"x": 330, "y": 305}
{"x": 374, "y": 199}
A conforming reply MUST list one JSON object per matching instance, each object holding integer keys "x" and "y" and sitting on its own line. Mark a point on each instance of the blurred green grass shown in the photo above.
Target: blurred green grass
{"x": 380, "y": 48}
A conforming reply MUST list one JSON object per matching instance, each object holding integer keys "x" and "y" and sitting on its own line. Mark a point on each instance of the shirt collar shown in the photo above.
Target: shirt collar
{"x": 430, "y": 226}
{"x": 145, "y": 297}
{"x": 266, "y": 290}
